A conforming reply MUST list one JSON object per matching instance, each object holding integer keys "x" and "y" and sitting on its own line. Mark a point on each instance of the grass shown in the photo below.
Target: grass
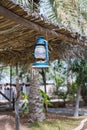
{"x": 57, "y": 124}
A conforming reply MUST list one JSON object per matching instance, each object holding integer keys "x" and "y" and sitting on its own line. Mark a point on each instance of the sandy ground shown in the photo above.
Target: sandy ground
{"x": 7, "y": 122}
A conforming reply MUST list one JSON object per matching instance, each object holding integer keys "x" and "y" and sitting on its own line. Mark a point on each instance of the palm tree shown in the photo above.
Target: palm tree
{"x": 79, "y": 67}
{"x": 36, "y": 112}
{"x": 71, "y": 14}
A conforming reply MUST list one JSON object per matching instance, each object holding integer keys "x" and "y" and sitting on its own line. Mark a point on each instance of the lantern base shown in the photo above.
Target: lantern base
{"x": 40, "y": 65}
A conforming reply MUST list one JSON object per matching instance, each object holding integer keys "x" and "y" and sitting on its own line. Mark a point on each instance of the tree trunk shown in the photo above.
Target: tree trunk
{"x": 35, "y": 99}
{"x": 17, "y": 118}
{"x": 10, "y": 82}
{"x": 76, "y": 113}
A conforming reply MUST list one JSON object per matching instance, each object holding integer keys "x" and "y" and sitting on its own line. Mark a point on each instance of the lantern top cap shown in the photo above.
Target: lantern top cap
{"x": 40, "y": 37}
{"x": 40, "y": 40}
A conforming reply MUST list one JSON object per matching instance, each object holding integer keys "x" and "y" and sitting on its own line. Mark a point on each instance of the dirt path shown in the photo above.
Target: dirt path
{"x": 8, "y": 123}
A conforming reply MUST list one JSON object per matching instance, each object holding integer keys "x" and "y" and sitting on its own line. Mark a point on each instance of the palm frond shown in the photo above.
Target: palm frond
{"x": 70, "y": 14}
{"x": 31, "y": 5}
{"x": 47, "y": 10}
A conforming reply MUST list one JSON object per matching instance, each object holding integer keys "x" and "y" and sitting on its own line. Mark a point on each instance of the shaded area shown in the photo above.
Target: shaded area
{"x": 20, "y": 28}
{"x": 7, "y": 122}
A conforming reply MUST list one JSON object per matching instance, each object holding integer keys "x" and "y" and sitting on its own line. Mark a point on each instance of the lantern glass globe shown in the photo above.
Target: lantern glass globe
{"x": 40, "y": 52}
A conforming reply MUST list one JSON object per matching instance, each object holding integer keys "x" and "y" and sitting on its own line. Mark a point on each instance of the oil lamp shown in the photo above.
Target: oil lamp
{"x": 41, "y": 57}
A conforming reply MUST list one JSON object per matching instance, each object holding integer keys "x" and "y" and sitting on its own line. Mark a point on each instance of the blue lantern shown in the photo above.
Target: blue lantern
{"x": 41, "y": 53}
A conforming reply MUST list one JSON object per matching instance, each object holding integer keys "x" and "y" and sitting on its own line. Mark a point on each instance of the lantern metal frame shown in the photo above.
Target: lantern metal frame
{"x": 41, "y": 63}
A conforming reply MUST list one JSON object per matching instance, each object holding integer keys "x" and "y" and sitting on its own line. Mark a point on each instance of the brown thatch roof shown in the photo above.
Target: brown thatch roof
{"x": 20, "y": 28}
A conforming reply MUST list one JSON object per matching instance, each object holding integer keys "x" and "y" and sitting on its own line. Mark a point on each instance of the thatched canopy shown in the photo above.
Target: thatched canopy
{"x": 20, "y": 28}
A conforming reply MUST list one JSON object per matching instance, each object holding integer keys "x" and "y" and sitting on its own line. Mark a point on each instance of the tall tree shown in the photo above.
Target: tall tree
{"x": 79, "y": 67}
{"x": 36, "y": 112}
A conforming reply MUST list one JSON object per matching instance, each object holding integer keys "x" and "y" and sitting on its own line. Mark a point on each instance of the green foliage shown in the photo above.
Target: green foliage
{"x": 59, "y": 81}
{"x": 25, "y": 102}
{"x": 47, "y": 10}
{"x": 83, "y": 8}
{"x": 74, "y": 87}
{"x": 72, "y": 90}
{"x": 24, "y": 95}
{"x": 24, "y": 73}
{"x": 79, "y": 67}
{"x": 62, "y": 95}
{"x": 30, "y": 4}
{"x": 71, "y": 14}
{"x": 46, "y": 98}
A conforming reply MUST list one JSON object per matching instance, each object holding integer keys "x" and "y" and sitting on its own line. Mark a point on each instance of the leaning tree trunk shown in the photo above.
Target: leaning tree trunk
{"x": 76, "y": 113}
{"x": 35, "y": 99}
